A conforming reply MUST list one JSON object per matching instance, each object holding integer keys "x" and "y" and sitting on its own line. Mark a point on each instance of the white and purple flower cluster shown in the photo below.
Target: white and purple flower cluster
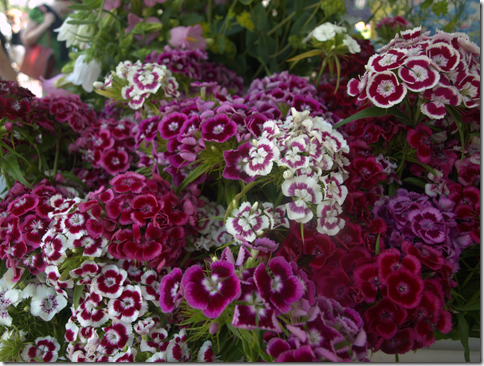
{"x": 310, "y": 156}
{"x": 140, "y": 81}
{"x": 443, "y": 70}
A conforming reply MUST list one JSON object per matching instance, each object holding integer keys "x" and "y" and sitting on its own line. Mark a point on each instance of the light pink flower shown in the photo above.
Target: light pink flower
{"x": 187, "y": 37}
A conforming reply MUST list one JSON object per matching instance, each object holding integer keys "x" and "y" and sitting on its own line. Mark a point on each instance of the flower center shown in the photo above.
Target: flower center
{"x": 386, "y": 88}
{"x": 276, "y": 284}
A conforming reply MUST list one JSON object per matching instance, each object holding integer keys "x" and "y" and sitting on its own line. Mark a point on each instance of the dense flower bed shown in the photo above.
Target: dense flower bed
{"x": 295, "y": 221}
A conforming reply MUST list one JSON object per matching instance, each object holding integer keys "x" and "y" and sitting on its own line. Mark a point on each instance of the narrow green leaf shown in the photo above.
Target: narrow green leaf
{"x": 77, "y": 295}
{"x": 73, "y": 177}
{"x": 14, "y": 152}
{"x": 307, "y": 55}
{"x": 194, "y": 174}
{"x": 474, "y": 305}
{"x": 10, "y": 164}
{"x": 377, "y": 245}
{"x": 459, "y": 123}
{"x": 368, "y": 112}
{"x": 247, "y": 188}
{"x": 463, "y": 328}
{"x": 246, "y": 2}
{"x": 414, "y": 181}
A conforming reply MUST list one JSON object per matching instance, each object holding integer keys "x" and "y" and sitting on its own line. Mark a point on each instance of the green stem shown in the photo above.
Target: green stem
{"x": 281, "y": 23}
{"x": 397, "y": 359}
{"x": 209, "y": 11}
{"x": 56, "y": 161}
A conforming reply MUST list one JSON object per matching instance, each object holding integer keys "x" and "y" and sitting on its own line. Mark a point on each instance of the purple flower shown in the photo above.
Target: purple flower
{"x": 187, "y": 37}
{"x": 278, "y": 287}
{"x": 171, "y": 125}
{"x": 211, "y": 294}
{"x": 428, "y": 225}
{"x": 219, "y": 129}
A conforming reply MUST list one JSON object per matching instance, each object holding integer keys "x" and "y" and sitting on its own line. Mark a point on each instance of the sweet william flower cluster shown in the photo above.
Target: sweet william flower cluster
{"x": 442, "y": 70}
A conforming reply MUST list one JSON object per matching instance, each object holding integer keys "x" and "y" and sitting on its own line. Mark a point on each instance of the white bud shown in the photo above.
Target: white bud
{"x": 288, "y": 174}
{"x": 255, "y": 206}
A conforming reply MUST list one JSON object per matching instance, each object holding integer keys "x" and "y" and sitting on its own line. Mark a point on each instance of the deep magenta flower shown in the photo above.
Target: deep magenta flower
{"x": 115, "y": 161}
{"x": 129, "y": 181}
{"x": 211, "y": 294}
{"x": 219, "y": 128}
{"x": 110, "y": 282}
{"x": 405, "y": 288}
{"x": 144, "y": 207}
{"x": 419, "y": 138}
{"x": 116, "y": 336}
{"x": 278, "y": 286}
{"x": 402, "y": 342}
{"x": 171, "y": 125}
{"x": 389, "y": 60}
{"x": 418, "y": 74}
{"x": 444, "y": 57}
{"x": 128, "y": 306}
{"x": 170, "y": 290}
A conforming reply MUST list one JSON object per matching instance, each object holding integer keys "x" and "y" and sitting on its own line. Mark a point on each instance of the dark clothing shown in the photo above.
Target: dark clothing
{"x": 16, "y": 39}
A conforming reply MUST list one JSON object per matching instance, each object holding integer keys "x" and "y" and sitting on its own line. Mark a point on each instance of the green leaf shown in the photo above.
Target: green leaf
{"x": 48, "y": 142}
{"x": 463, "y": 328}
{"x": 81, "y": 22}
{"x": 440, "y": 8}
{"x": 77, "y": 295}
{"x": 73, "y": 177}
{"x": 377, "y": 245}
{"x": 194, "y": 174}
{"x": 475, "y": 305}
{"x": 10, "y": 163}
{"x": 192, "y": 18}
{"x": 371, "y": 112}
{"x": 459, "y": 123}
{"x": 246, "y": 2}
{"x": 426, "y": 4}
{"x": 221, "y": 44}
{"x": 259, "y": 17}
{"x": 307, "y": 55}
{"x": 414, "y": 181}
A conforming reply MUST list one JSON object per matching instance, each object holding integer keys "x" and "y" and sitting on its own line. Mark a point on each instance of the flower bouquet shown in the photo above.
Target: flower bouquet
{"x": 192, "y": 219}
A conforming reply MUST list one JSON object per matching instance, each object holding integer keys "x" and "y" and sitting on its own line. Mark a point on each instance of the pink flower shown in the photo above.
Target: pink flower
{"x": 133, "y": 20}
{"x": 387, "y": 61}
{"x": 152, "y": 3}
{"x": 278, "y": 287}
{"x": 187, "y": 37}
{"x": 116, "y": 336}
{"x": 115, "y": 161}
{"x": 444, "y": 57}
{"x": 235, "y": 161}
{"x": 419, "y": 138}
{"x": 171, "y": 125}
{"x": 384, "y": 90}
{"x": 144, "y": 207}
{"x": 211, "y": 294}
{"x": 438, "y": 98}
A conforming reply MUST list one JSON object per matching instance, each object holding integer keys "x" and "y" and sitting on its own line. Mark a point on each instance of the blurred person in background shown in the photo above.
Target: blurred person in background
{"x": 17, "y": 48}
{"x": 5, "y": 32}
{"x": 42, "y": 21}
{"x": 6, "y": 70}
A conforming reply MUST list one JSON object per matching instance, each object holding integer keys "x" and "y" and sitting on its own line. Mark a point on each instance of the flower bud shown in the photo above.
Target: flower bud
{"x": 214, "y": 327}
{"x": 288, "y": 174}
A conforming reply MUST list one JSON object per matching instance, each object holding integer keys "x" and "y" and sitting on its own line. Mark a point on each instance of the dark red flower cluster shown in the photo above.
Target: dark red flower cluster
{"x": 62, "y": 109}
{"x": 15, "y": 101}
{"x": 141, "y": 218}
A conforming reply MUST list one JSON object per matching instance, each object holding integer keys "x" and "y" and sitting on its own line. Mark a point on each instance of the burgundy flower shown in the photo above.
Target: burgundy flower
{"x": 367, "y": 280}
{"x": 278, "y": 286}
{"x": 33, "y": 229}
{"x": 171, "y": 124}
{"x": 405, "y": 288}
{"x": 218, "y": 129}
{"x": 444, "y": 57}
{"x": 384, "y": 90}
{"x": 211, "y": 294}
{"x": 430, "y": 257}
{"x": 121, "y": 206}
{"x": 147, "y": 247}
{"x": 402, "y": 342}
{"x": 91, "y": 313}
{"x": 23, "y": 204}
{"x": 385, "y": 317}
{"x": 322, "y": 247}
{"x": 419, "y": 138}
